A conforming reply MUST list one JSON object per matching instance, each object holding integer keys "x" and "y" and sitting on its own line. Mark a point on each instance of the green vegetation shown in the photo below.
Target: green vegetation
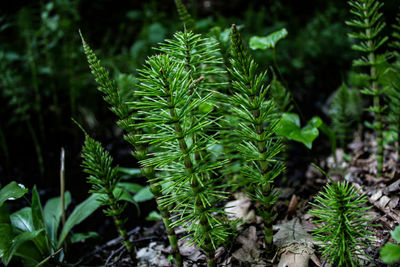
{"x": 206, "y": 119}
{"x": 342, "y": 219}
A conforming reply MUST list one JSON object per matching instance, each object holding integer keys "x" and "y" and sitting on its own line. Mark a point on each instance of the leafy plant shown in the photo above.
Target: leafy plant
{"x": 390, "y": 253}
{"x": 341, "y": 217}
{"x": 258, "y": 122}
{"x": 31, "y": 233}
{"x": 368, "y": 25}
{"x": 104, "y": 178}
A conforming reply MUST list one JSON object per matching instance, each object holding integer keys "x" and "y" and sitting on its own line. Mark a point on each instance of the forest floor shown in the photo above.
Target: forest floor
{"x": 292, "y": 230}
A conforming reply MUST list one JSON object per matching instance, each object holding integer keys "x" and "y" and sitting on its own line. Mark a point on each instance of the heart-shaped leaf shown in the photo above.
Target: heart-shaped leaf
{"x": 266, "y": 42}
{"x": 290, "y": 128}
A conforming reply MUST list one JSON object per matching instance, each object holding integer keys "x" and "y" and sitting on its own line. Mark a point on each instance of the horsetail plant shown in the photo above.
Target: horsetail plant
{"x": 345, "y": 112}
{"x": 258, "y": 121}
{"x": 112, "y": 96}
{"x": 97, "y": 162}
{"x": 368, "y": 25}
{"x": 167, "y": 106}
{"x": 184, "y": 15}
{"x": 340, "y": 213}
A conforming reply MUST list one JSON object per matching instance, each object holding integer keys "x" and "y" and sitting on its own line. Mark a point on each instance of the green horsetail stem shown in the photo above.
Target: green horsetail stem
{"x": 112, "y": 96}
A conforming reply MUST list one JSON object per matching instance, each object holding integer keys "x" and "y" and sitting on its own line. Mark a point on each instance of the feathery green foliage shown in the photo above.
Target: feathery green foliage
{"x": 341, "y": 216}
{"x": 345, "y": 112}
{"x": 133, "y": 135}
{"x": 368, "y": 25}
{"x": 97, "y": 162}
{"x": 184, "y": 15}
{"x": 395, "y": 43}
{"x": 167, "y": 107}
{"x": 258, "y": 121}
{"x": 392, "y": 78}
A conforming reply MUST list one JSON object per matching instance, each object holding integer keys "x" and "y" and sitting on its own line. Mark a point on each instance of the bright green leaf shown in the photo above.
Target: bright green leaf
{"x": 153, "y": 216}
{"x": 143, "y": 195}
{"x": 390, "y": 253}
{"x": 80, "y": 237}
{"x": 17, "y": 242}
{"x": 22, "y": 220}
{"x": 290, "y": 128}
{"x": 270, "y": 41}
{"x": 12, "y": 191}
{"x": 80, "y": 213}
{"x": 52, "y": 214}
{"x": 37, "y": 212}
{"x": 130, "y": 187}
{"x": 396, "y": 233}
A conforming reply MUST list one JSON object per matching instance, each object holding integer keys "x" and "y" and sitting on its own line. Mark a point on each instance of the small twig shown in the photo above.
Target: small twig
{"x": 195, "y": 81}
{"x": 48, "y": 258}
{"x": 62, "y": 186}
{"x": 120, "y": 249}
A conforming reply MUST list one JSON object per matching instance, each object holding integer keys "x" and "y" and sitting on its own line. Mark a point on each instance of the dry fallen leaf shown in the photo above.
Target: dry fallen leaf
{"x": 249, "y": 252}
{"x": 152, "y": 256}
{"x": 240, "y": 209}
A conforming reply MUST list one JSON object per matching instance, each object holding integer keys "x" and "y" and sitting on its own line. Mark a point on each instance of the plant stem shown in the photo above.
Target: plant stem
{"x": 376, "y": 100}
{"x": 267, "y": 189}
{"x": 37, "y": 146}
{"x": 195, "y": 185}
{"x": 119, "y": 224}
{"x": 62, "y": 186}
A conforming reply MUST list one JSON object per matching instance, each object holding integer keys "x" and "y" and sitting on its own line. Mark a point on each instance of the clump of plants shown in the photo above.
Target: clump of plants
{"x": 345, "y": 111}
{"x": 341, "y": 217}
{"x": 368, "y": 25}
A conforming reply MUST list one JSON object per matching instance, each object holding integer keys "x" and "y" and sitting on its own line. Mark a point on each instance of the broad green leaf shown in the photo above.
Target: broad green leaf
{"x": 80, "y": 213}
{"x": 12, "y": 191}
{"x": 17, "y": 242}
{"x": 143, "y": 195}
{"x": 52, "y": 214}
{"x": 6, "y": 236}
{"x": 291, "y": 118}
{"x": 153, "y": 216}
{"x": 128, "y": 173}
{"x": 22, "y": 220}
{"x": 123, "y": 193}
{"x": 269, "y": 41}
{"x": 131, "y": 187}
{"x": 37, "y": 212}
{"x": 396, "y": 233}
{"x": 290, "y": 128}
{"x": 390, "y": 253}
{"x": 79, "y": 237}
